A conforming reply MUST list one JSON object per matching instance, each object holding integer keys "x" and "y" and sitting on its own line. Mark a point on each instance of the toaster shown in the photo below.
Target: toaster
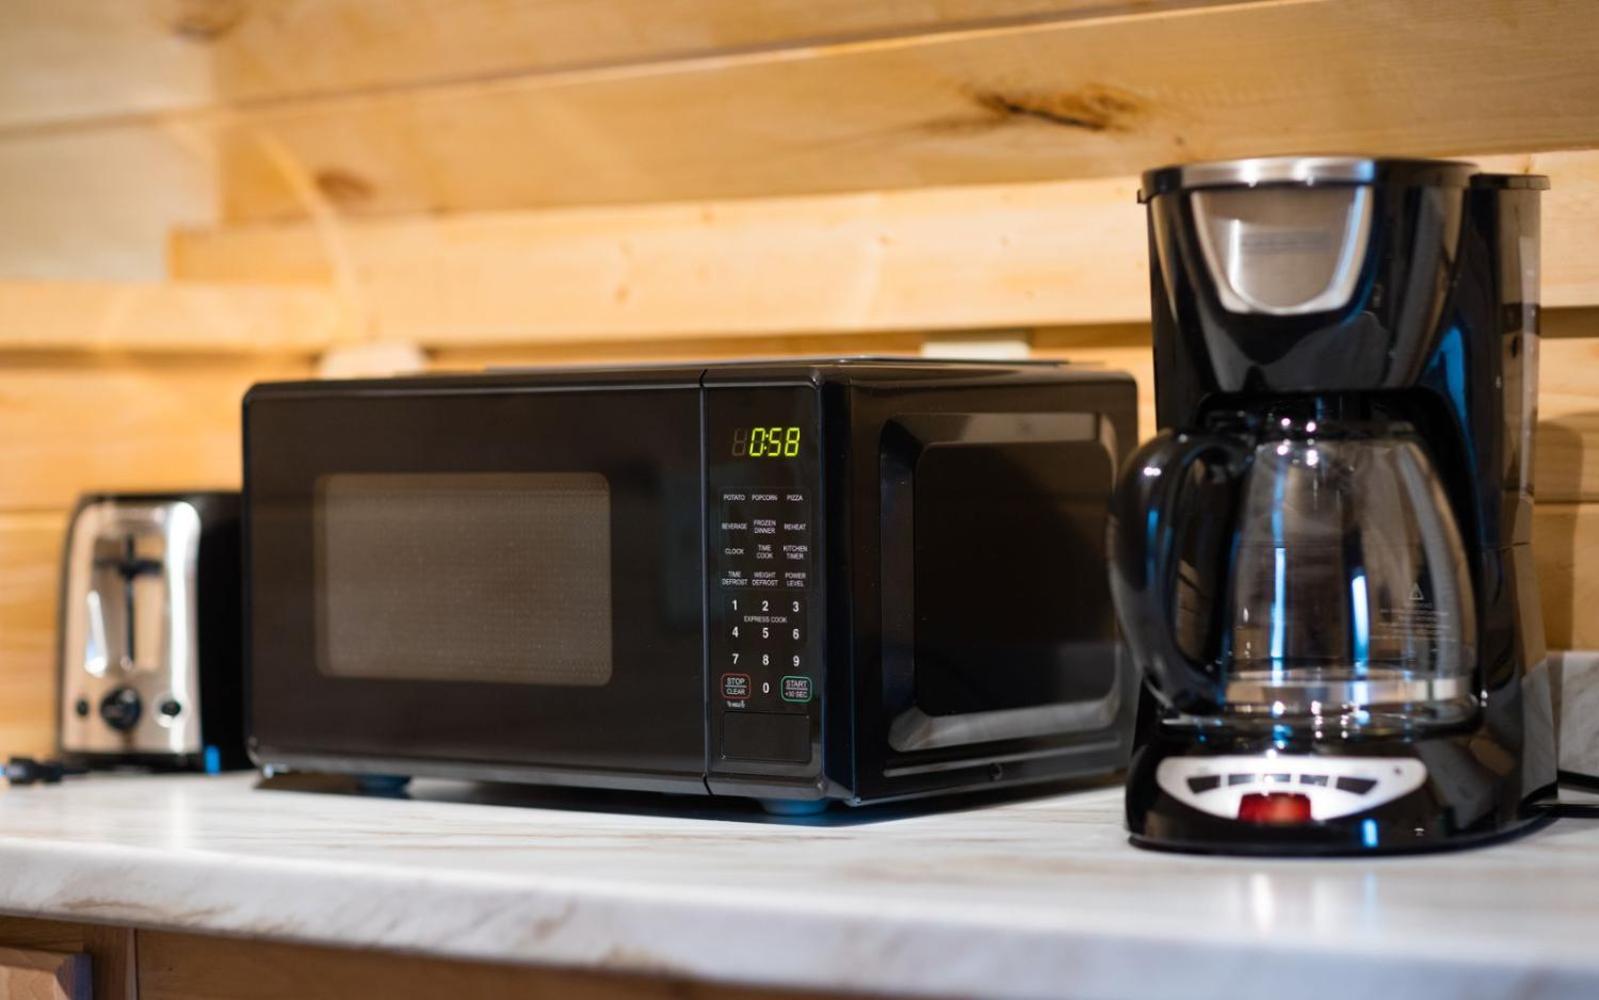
{"x": 148, "y": 641}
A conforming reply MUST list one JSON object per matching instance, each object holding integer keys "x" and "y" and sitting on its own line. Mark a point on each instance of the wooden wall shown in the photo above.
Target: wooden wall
{"x": 197, "y": 194}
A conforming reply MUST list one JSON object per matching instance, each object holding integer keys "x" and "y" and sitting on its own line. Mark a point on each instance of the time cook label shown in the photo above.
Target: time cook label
{"x": 765, "y": 540}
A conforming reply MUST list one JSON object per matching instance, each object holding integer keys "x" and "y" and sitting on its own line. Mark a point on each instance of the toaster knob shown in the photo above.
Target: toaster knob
{"x": 121, "y": 709}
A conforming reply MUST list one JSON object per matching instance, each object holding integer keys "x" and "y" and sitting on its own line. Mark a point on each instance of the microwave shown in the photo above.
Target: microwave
{"x": 795, "y": 581}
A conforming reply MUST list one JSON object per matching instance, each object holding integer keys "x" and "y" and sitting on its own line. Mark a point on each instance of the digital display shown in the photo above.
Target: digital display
{"x": 766, "y": 442}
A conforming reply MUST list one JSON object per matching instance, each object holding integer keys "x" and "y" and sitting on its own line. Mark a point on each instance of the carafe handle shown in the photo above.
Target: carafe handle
{"x": 1147, "y": 512}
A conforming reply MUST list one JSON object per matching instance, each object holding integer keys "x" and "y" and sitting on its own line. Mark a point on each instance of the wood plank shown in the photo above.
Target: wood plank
{"x": 938, "y": 259}
{"x": 192, "y": 967}
{"x": 679, "y": 349}
{"x": 109, "y": 58}
{"x": 68, "y": 425}
{"x": 99, "y": 203}
{"x": 30, "y": 553}
{"x": 110, "y": 950}
{"x": 192, "y": 317}
{"x": 113, "y": 951}
{"x": 93, "y": 58}
{"x": 1566, "y": 543}
{"x": 1051, "y": 100}
{"x": 27, "y": 974}
{"x": 982, "y": 255}
{"x": 1567, "y": 446}
{"x": 296, "y": 47}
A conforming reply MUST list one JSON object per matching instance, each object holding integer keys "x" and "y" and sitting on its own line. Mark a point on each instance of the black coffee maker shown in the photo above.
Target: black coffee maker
{"x": 1323, "y": 561}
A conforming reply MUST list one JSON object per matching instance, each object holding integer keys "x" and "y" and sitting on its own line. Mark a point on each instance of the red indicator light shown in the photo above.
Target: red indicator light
{"x": 1279, "y": 808}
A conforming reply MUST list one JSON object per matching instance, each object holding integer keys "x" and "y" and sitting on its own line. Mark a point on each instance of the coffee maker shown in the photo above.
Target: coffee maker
{"x": 1322, "y": 563}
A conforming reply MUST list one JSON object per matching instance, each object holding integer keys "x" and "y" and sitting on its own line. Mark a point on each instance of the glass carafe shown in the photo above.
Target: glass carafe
{"x": 1344, "y": 604}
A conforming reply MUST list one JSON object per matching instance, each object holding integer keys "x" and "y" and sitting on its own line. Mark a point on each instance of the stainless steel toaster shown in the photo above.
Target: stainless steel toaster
{"x": 148, "y": 638}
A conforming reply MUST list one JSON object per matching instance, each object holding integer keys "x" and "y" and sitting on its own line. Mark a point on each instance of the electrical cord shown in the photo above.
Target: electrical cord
{"x": 20, "y": 771}
{"x": 1584, "y": 806}
{"x": 1569, "y": 810}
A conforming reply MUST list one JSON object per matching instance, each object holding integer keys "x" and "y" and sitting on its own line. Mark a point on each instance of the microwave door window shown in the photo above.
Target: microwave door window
{"x": 1011, "y": 632}
{"x": 1011, "y": 600}
{"x": 498, "y": 578}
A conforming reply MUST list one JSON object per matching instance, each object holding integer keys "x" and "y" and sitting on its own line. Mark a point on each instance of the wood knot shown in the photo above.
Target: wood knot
{"x": 342, "y": 187}
{"x": 1094, "y": 108}
{"x": 201, "y": 20}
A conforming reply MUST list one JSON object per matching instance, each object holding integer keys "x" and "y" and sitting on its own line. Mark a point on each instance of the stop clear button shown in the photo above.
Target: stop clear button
{"x": 1277, "y": 808}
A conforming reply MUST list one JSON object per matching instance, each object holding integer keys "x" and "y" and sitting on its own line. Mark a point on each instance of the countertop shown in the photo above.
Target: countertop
{"x": 1010, "y": 897}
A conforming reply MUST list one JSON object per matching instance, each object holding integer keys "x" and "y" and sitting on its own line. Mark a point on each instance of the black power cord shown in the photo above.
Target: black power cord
{"x": 1584, "y": 807}
{"x": 1569, "y": 810}
{"x": 28, "y": 771}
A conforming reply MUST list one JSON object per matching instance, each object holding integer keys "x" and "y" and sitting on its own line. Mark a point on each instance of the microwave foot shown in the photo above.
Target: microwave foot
{"x": 383, "y": 784}
{"x": 794, "y": 807}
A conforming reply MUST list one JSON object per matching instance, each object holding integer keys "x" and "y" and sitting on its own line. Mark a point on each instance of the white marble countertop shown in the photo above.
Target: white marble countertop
{"x": 1025, "y": 897}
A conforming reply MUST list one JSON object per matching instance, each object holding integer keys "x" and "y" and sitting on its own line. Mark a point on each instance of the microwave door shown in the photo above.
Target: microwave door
{"x": 505, "y": 581}
{"x": 1005, "y": 632}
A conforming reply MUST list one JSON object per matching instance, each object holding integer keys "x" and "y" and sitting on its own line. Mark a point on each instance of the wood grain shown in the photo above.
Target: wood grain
{"x": 122, "y": 423}
{"x": 27, "y": 974}
{"x": 288, "y": 48}
{"x": 98, "y": 204}
{"x": 101, "y": 59}
{"x": 30, "y": 547}
{"x": 1052, "y": 100}
{"x": 109, "y": 950}
{"x": 191, "y": 967}
{"x": 976, "y": 256}
{"x": 1566, "y": 542}
{"x": 674, "y": 349}
{"x": 95, "y": 59}
{"x": 183, "y": 316}
{"x": 939, "y": 259}
{"x": 1568, "y": 421}
{"x": 113, "y": 951}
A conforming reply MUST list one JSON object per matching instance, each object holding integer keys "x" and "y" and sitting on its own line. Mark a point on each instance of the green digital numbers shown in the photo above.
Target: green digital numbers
{"x": 766, "y": 442}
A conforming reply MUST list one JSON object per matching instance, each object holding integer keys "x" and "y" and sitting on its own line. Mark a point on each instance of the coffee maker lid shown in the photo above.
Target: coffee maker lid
{"x": 1514, "y": 182}
{"x": 1304, "y": 170}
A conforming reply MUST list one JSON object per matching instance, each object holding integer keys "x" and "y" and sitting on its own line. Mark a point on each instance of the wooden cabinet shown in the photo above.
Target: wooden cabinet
{"x": 30, "y": 974}
{"x": 47, "y": 960}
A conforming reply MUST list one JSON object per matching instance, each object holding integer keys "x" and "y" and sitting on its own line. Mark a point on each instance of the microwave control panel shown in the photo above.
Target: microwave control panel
{"x": 764, "y": 589}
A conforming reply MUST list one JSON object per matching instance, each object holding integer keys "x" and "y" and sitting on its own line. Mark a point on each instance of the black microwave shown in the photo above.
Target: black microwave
{"x": 796, "y": 581}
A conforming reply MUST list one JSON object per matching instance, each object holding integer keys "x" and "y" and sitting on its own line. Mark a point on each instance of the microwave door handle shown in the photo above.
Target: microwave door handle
{"x": 913, "y": 729}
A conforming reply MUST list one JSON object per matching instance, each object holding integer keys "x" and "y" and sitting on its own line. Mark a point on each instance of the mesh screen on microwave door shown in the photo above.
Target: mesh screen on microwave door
{"x": 487, "y": 577}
